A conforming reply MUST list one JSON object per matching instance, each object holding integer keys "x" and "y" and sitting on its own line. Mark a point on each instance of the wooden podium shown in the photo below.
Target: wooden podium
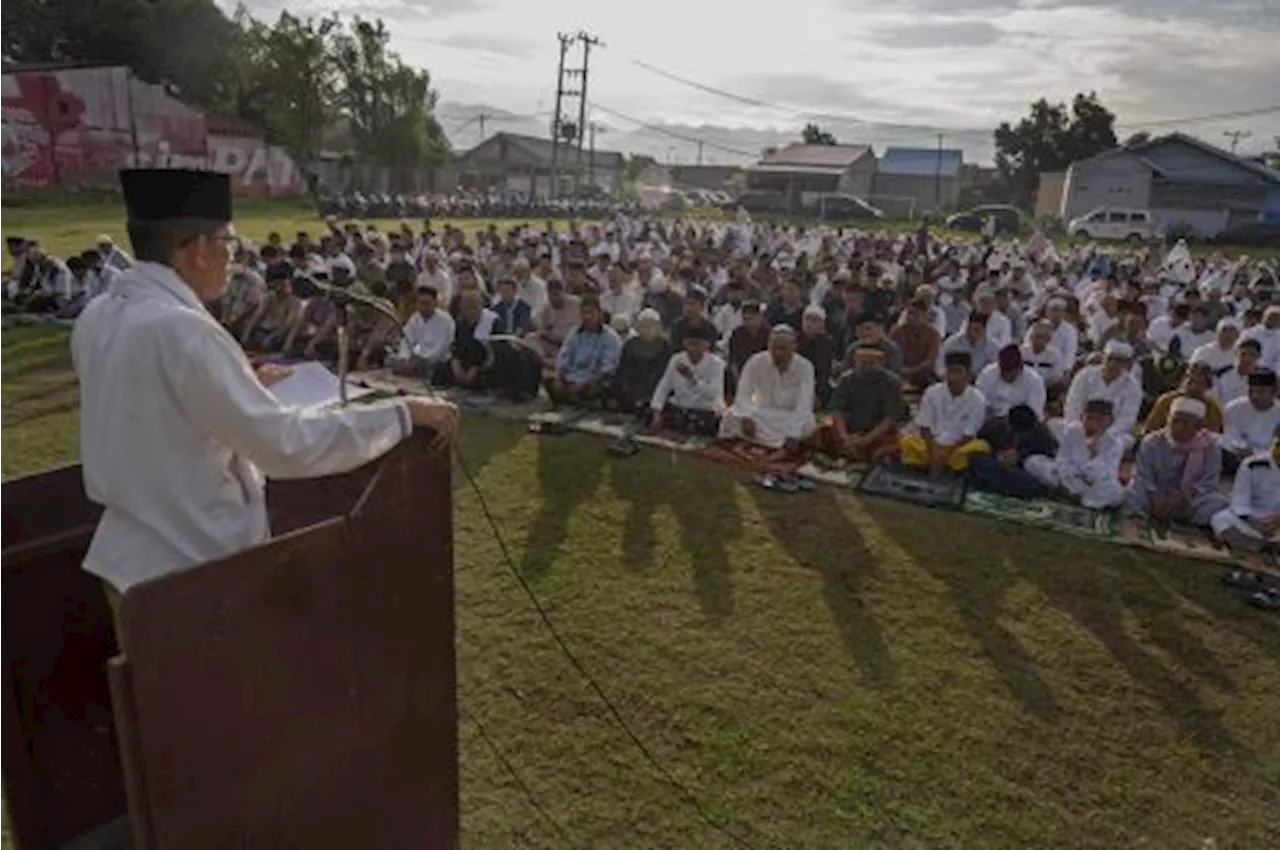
{"x": 300, "y": 694}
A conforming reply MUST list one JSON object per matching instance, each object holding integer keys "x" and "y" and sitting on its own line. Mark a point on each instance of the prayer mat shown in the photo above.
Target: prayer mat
{"x": 739, "y": 454}
{"x": 847, "y": 477}
{"x": 606, "y": 423}
{"x": 674, "y": 442}
{"x": 1051, "y": 515}
{"x": 897, "y": 482}
{"x": 560, "y": 416}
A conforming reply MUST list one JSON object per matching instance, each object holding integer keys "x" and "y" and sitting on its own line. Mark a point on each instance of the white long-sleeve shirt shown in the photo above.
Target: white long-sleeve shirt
{"x": 1026, "y": 389}
{"x": 1248, "y": 429}
{"x": 1124, "y": 393}
{"x": 440, "y": 280}
{"x": 431, "y": 339}
{"x": 1256, "y": 492}
{"x": 951, "y": 419}
{"x": 704, "y": 392}
{"x": 999, "y": 330}
{"x": 177, "y": 434}
{"x": 1089, "y": 466}
{"x": 1048, "y": 363}
{"x": 1229, "y": 386}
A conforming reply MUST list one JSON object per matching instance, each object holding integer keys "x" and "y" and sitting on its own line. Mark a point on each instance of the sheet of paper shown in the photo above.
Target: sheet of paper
{"x": 313, "y": 385}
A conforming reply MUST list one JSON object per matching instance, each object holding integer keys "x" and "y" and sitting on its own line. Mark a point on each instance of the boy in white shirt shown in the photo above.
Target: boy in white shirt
{"x": 1250, "y": 422}
{"x": 947, "y": 424}
{"x": 690, "y": 396}
{"x": 1252, "y": 520}
{"x": 1087, "y": 465}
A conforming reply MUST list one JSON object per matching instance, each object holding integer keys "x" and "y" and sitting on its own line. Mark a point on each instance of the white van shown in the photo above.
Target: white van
{"x": 1115, "y": 223}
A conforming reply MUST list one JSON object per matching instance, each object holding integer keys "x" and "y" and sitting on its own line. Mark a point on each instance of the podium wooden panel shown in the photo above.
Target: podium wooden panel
{"x": 299, "y": 694}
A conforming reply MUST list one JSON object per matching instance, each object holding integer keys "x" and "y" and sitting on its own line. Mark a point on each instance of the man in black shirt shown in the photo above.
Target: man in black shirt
{"x": 868, "y": 406}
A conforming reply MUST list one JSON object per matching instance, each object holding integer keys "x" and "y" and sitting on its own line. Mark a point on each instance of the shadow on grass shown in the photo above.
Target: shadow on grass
{"x": 819, "y": 536}
{"x": 702, "y": 499}
{"x": 569, "y": 473}
{"x": 1107, "y": 586}
{"x": 482, "y": 441}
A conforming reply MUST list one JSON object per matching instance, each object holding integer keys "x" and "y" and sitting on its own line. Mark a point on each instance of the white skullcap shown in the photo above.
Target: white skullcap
{"x": 1188, "y": 406}
{"x": 620, "y": 323}
{"x": 782, "y": 330}
{"x": 815, "y": 310}
{"x": 648, "y": 314}
{"x": 1201, "y": 356}
{"x": 105, "y": 239}
{"x": 1116, "y": 348}
{"x": 1228, "y": 322}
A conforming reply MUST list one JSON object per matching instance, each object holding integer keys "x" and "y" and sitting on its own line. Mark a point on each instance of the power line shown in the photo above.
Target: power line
{"x": 577, "y": 664}
{"x": 795, "y": 110}
{"x": 520, "y": 783}
{"x": 657, "y": 128}
{"x": 1196, "y": 119}
{"x": 752, "y": 101}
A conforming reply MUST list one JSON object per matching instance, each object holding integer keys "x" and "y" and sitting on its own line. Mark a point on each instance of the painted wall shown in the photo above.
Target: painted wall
{"x": 77, "y": 127}
{"x": 256, "y": 168}
{"x": 1110, "y": 180}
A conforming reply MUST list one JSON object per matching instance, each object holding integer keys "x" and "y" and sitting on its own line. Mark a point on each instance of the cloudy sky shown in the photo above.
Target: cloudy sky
{"x": 859, "y": 67}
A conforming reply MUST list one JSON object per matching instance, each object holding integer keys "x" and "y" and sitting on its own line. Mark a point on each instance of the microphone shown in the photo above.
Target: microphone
{"x": 343, "y": 297}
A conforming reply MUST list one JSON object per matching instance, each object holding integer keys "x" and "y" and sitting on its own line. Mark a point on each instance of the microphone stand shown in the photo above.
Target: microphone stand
{"x": 342, "y": 301}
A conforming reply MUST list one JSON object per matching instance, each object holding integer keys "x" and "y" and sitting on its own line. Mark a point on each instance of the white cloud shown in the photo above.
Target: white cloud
{"x": 955, "y": 63}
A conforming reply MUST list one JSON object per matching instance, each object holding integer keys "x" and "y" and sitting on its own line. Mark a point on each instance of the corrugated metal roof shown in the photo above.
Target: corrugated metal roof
{"x": 783, "y": 168}
{"x": 920, "y": 162}
{"x": 822, "y": 156}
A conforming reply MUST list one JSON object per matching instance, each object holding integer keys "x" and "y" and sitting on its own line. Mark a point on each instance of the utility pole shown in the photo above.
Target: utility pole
{"x": 588, "y": 41}
{"x": 699, "y": 153}
{"x": 937, "y": 177}
{"x": 593, "y": 128}
{"x": 561, "y": 92}
{"x": 480, "y": 119}
{"x": 1235, "y": 136}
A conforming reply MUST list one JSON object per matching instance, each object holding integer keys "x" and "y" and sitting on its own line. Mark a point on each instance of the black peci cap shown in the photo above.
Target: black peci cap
{"x": 164, "y": 194}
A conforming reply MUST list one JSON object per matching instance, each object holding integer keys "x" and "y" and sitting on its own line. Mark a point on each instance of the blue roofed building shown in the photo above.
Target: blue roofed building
{"x": 910, "y": 181}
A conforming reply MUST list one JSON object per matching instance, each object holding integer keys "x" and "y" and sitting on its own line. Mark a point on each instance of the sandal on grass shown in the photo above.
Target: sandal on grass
{"x": 623, "y": 447}
{"x": 1244, "y": 580}
{"x": 1267, "y": 600}
{"x": 777, "y": 483}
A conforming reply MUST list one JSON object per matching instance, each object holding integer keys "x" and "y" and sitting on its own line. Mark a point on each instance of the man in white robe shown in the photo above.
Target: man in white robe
{"x": 774, "y": 402}
{"x": 177, "y": 432}
{"x": 1008, "y": 383}
{"x": 1249, "y": 422}
{"x": 1087, "y": 465}
{"x": 1252, "y": 520}
{"x": 1112, "y": 380}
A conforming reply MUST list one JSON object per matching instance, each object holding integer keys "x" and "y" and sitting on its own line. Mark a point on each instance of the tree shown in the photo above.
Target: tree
{"x": 387, "y": 104}
{"x": 1139, "y": 138}
{"x": 1273, "y": 157}
{"x": 812, "y": 134}
{"x": 288, "y": 79}
{"x": 1050, "y": 139}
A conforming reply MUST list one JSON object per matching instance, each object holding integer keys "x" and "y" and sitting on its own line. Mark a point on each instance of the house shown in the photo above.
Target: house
{"x": 911, "y": 180}
{"x": 1049, "y": 194}
{"x": 718, "y": 178}
{"x": 1184, "y": 181}
{"x": 515, "y": 163}
{"x": 804, "y": 173}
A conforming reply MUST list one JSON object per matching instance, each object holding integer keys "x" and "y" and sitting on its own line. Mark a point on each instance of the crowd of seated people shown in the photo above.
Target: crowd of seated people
{"x": 1128, "y": 379}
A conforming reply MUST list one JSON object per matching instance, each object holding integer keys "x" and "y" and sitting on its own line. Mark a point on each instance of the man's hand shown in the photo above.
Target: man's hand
{"x": 1008, "y": 457}
{"x": 749, "y": 428}
{"x": 436, "y": 414}
{"x": 937, "y": 461}
{"x": 270, "y": 374}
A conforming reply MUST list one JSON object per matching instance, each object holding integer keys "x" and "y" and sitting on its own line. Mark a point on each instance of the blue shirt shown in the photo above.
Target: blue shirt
{"x": 588, "y": 353}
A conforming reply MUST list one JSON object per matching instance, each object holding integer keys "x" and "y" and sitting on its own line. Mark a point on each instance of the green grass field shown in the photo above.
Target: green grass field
{"x": 820, "y": 671}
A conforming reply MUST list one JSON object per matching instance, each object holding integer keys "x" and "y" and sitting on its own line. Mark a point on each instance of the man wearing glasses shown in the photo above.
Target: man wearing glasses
{"x": 177, "y": 430}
